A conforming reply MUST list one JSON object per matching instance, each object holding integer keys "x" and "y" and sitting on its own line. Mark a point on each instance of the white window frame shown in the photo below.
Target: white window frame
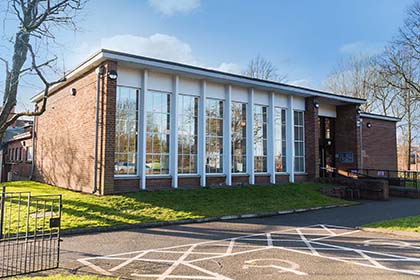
{"x": 303, "y": 141}
{"x": 246, "y": 140}
{"x": 267, "y": 148}
{"x": 131, "y": 176}
{"x": 151, "y": 91}
{"x": 281, "y": 136}
{"x": 223, "y": 138}
{"x": 197, "y": 136}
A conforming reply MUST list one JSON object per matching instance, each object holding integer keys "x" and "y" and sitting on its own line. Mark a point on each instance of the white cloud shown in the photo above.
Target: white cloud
{"x": 229, "y": 68}
{"x": 157, "y": 46}
{"x": 301, "y": 83}
{"x": 170, "y": 7}
{"x": 361, "y": 48}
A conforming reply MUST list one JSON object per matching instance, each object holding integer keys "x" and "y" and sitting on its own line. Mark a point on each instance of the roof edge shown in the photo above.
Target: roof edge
{"x": 104, "y": 54}
{"x": 379, "y": 117}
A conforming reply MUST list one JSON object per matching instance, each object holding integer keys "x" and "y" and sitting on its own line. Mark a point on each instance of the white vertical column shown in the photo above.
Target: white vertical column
{"x": 290, "y": 140}
{"x": 270, "y": 140}
{"x": 174, "y": 132}
{"x": 142, "y": 132}
{"x": 227, "y": 135}
{"x": 202, "y": 134}
{"x": 250, "y": 136}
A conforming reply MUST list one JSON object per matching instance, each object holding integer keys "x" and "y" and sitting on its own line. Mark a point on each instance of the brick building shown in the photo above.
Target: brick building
{"x": 17, "y": 153}
{"x": 123, "y": 123}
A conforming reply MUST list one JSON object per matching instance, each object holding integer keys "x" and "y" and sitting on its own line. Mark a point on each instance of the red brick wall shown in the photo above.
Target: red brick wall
{"x": 379, "y": 146}
{"x": 347, "y": 135}
{"x": 240, "y": 180}
{"x": 311, "y": 139}
{"x": 262, "y": 179}
{"x": 65, "y": 136}
{"x": 282, "y": 179}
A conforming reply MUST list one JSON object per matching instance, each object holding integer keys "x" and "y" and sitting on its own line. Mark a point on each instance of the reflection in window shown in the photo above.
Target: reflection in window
{"x": 126, "y": 131}
{"x": 157, "y": 109}
{"x": 187, "y": 134}
{"x": 214, "y": 136}
{"x": 280, "y": 139}
{"x": 238, "y": 137}
{"x": 299, "y": 142}
{"x": 260, "y": 138}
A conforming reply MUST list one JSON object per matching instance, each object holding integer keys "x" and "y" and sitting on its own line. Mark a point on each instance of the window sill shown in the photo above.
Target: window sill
{"x": 262, "y": 174}
{"x": 188, "y": 175}
{"x": 158, "y": 176}
{"x": 125, "y": 177}
{"x": 239, "y": 174}
{"x": 215, "y": 175}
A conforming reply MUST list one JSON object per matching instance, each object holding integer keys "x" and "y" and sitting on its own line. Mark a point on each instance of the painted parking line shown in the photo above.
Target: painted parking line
{"x": 316, "y": 240}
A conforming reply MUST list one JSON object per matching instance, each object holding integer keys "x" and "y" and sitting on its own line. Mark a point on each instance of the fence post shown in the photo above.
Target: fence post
{"x": 2, "y": 200}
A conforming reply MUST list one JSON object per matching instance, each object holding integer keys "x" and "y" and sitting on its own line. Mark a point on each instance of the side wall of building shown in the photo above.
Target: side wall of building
{"x": 379, "y": 144}
{"x": 65, "y": 137}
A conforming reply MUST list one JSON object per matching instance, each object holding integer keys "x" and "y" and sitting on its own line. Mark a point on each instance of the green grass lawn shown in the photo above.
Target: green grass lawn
{"x": 410, "y": 224}
{"x": 87, "y": 211}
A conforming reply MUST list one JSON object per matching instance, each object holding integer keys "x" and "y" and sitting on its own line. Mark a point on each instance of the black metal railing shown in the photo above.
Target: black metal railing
{"x": 29, "y": 232}
{"x": 402, "y": 178}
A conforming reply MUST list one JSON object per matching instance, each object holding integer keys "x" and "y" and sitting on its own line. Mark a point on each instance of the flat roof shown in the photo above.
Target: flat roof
{"x": 199, "y": 72}
{"x": 379, "y": 117}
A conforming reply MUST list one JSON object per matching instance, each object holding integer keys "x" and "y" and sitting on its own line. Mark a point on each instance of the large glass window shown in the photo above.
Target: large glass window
{"x": 157, "y": 132}
{"x": 280, "y": 139}
{"x": 214, "y": 136}
{"x": 126, "y": 131}
{"x": 260, "y": 138}
{"x": 238, "y": 137}
{"x": 187, "y": 134}
{"x": 299, "y": 142}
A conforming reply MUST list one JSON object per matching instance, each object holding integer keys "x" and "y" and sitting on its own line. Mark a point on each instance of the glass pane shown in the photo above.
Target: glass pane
{"x": 126, "y": 131}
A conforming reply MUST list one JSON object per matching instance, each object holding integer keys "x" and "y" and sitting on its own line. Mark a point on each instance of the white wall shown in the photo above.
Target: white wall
{"x": 215, "y": 90}
{"x": 239, "y": 94}
{"x": 299, "y": 103}
{"x": 189, "y": 86}
{"x": 129, "y": 77}
{"x": 327, "y": 110}
{"x": 160, "y": 82}
{"x": 261, "y": 97}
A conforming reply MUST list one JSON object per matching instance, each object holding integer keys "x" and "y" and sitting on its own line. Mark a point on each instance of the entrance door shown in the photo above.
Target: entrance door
{"x": 326, "y": 146}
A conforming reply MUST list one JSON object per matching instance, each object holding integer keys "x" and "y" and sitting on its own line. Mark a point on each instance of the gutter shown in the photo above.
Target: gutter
{"x": 99, "y": 72}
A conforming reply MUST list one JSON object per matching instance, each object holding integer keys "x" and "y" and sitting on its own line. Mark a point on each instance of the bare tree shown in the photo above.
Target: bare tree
{"x": 352, "y": 77}
{"x": 261, "y": 68}
{"x": 37, "y": 21}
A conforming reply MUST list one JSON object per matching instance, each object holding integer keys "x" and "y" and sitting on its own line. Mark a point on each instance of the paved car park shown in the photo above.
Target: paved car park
{"x": 278, "y": 247}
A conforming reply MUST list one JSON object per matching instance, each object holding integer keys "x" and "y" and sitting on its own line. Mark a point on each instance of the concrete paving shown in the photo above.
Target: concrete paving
{"x": 321, "y": 245}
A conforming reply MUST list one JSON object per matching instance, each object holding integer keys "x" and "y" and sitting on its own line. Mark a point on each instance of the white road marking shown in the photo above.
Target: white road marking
{"x": 95, "y": 267}
{"x": 129, "y": 261}
{"x": 329, "y": 230}
{"x": 269, "y": 240}
{"x": 297, "y": 236}
{"x": 177, "y": 263}
{"x": 308, "y": 244}
{"x": 292, "y": 269}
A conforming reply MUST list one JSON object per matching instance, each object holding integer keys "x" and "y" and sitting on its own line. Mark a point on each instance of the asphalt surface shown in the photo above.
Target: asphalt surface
{"x": 320, "y": 244}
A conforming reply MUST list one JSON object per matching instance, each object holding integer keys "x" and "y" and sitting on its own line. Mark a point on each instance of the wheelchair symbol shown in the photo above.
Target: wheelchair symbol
{"x": 282, "y": 266}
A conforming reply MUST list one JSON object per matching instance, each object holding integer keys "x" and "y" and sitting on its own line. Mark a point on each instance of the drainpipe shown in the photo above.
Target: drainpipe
{"x": 33, "y": 148}
{"x": 99, "y": 72}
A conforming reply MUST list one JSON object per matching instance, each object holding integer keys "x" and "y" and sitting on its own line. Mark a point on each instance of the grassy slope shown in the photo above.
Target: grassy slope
{"x": 411, "y": 224}
{"x": 82, "y": 210}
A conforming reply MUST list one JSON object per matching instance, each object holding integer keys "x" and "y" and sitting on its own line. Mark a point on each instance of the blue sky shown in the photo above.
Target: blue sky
{"x": 304, "y": 39}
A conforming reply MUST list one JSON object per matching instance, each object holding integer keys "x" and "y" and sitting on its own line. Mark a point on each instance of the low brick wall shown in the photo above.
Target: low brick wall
{"x": 404, "y": 192}
{"x": 372, "y": 189}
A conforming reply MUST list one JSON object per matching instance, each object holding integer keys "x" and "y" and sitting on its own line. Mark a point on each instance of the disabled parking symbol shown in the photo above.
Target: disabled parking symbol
{"x": 282, "y": 266}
